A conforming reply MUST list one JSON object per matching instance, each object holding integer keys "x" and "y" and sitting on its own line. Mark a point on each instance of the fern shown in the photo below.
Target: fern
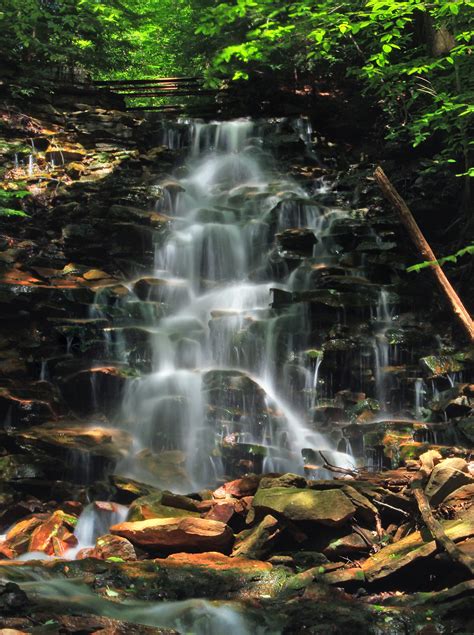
{"x": 469, "y": 249}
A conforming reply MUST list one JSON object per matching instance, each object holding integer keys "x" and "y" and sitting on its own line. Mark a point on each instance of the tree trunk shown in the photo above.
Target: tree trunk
{"x": 425, "y": 250}
{"x": 437, "y": 531}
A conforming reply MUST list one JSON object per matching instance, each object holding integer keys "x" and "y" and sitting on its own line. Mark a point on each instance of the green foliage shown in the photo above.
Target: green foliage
{"x": 6, "y": 211}
{"x": 9, "y": 197}
{"x": 413, "y": 57}
{"x": 108, "y": 38}
{"x": 468, "y": 250}
{"x": 67, "y": 33}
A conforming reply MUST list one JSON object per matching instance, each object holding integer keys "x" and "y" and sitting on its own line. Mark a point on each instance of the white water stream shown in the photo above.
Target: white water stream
{"x": 213, "y": 272}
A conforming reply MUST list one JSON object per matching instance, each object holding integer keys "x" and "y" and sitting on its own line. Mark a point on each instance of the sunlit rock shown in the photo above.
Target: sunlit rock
{"x": 172, "y": 535}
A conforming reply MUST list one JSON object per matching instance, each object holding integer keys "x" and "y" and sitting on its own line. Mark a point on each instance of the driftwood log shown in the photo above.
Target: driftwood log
{"x": 437, "y": 531}
{"x": 425, "y": 251}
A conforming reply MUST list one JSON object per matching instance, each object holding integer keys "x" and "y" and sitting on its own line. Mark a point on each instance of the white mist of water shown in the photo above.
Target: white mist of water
{"x": 199, "y": 617}
{"x": 95, "y": 521}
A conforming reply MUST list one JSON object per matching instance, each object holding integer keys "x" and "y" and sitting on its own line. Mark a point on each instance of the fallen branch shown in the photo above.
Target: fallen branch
{"x": 425, "y": 250}
{"x": 395, "y": 509}
{"x": 437, "y": 530}
{"x": 333, "y": 468}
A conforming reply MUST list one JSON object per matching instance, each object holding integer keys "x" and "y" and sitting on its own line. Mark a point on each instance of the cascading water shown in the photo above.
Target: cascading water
{"x": 213, "y": 272}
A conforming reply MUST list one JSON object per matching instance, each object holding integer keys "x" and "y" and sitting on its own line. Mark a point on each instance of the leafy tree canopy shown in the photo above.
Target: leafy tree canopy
{"x": 414, "y": 57}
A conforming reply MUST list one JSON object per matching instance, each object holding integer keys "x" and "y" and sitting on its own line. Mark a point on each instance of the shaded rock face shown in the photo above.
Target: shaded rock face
{"x": 446, "y": 477}
{"x": 172, "y": 535}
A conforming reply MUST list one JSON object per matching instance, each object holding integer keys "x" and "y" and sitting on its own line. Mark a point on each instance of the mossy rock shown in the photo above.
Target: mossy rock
{"x": 328, "y": 507}
{"x": 440, "y": 364}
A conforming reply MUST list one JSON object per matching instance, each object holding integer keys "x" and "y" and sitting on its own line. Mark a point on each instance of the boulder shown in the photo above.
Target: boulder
{"x": 171, "y": 535}
{"x": 352, "y": 544}
{"x": 283, "y": 480}
{"x": 49, "y": 533}
{"x": 222, "y": 511}
{"x": 241, "y": 487}
{"x": 110, "y": 546}
{"x": 54, "y": 537}
{"x": 428, "y": 460}
{"x": 257, "y": 542}
{"x": 18, "y": 538}
{"x": 445, "y": 478}
{"x": 329, "y": 507}
{"x": 437, "y": 365}
{"x": 162, "y": 505}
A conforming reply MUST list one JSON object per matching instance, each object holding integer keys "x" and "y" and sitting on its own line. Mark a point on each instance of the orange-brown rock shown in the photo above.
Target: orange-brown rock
{"x": 246, "y": 486}
{"x": 110, "y": 546}
{"x": 18, "y": 538}
{"x": 214, "y": 560}
{"x": 170, "y": 535}
{"x": 54, "y": 537}
{"x": 222, "y": 512}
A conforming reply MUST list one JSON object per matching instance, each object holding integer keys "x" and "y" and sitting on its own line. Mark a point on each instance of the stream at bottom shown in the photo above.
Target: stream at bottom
{"x": 190, "y": 617}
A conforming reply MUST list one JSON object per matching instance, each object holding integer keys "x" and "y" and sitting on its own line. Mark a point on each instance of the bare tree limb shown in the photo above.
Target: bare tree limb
{"x": 425, "y": 250}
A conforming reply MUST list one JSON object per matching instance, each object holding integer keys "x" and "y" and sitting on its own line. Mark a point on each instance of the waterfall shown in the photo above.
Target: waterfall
{"x": 225, "y": 212}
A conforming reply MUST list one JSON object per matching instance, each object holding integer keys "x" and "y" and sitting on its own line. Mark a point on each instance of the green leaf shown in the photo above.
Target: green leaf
{"x": 6, "y": 211}
{"x": 111, "y": 593}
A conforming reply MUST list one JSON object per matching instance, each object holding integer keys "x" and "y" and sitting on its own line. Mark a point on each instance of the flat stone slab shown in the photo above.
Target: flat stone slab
{"x": 329, "y": 507}
{"x": 177, "y": 534}
{"x": 416, "y": 546}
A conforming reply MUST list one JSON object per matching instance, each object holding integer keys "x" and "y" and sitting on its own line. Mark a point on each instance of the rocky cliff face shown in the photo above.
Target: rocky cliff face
{"x": 373, "y": 364}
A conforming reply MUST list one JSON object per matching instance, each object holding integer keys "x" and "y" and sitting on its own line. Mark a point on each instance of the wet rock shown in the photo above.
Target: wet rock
{"x": 54, "y": 537}
{"x": 171, "y": 535}
{"x": 162, "y": 505}
{"x": 109, "y": 546}
{"x": 308, "y": 559}
{"x": 437, "y": 365}
{"x": 445, "y": 478}
{"x": 18, "y": 537}
{"x": 157, "y": 290}
{"x": 75, "y": 170}
{"x": 21, "y": 411}
{"x": 72, "y": 438}
{"x": 128, "y": 490}
{"x": 168, "y": 468}
{"x": 455, "y": 402}
{"x": 257, "y": 542}
{"x": 65, "y": 154}
{"x": 95, "y": 274}
{"x": 366, "y": 510}
{"x": 94, "y": 390}
{"x": 239, "y": 488}
{"x": 299, "y": 241}
{"x": 12, "y": 599}
{"x": 16, "y": 467}
{"x": 12, "y": 511}
{"x": 329, "y": 507}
